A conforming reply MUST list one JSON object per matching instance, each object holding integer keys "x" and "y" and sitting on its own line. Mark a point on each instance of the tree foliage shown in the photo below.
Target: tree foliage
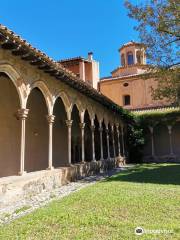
{"x": 159, "y": 29}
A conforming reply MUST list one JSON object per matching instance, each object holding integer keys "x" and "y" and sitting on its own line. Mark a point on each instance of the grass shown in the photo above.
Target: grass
{"x": 145, "y": 195}
{"x": 22, "y": 209}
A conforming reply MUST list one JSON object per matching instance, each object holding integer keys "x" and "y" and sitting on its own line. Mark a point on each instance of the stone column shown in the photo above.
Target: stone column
{"x": 152, "y": 141}
{"x": 170, "y": 139}
{"x": 107, "y": 138}
{"x": 101, "y": 140}
{"x": 119, "y": 149}
{"x": 50, "y": 119}
{"x": 69, "y": 125}
{"x": 22, "y": 114}
{"x": 114, "y": 150}
{"x": 82, "y": 125}
{"x": 93, "y": 145}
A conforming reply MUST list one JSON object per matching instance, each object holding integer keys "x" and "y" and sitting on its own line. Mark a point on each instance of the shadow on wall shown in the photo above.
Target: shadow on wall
{"x": 152, "y": 173}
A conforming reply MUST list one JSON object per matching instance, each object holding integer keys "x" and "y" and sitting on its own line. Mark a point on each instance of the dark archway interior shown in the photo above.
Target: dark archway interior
{"x": 176, "y": 138}
{"x": 116, "y": 140}
{"x": 105, "y": 154}
{"x": 10, "y": 128}
{"x": 161, "y": 140}
{"x": 97, "y": 139}
{"x": 110, "y": 142}
{"x": 147, "y": 149}
{"x": 87, "y": 137}
{"x": 76, "y": 136}
{"x": 120, "y": 140}
{"x": 36, "y": 157}
{"x": 60, "y": 135}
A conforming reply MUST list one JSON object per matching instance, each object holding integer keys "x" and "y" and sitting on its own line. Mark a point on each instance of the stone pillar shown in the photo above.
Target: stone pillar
{"x": 22, "y": 115}
{"x": 107, "y": 138}
{"x": 101, "y": 140}
{"x": 50, "y": 119}
{"x": 69, "y": 125}
{"x": 93, "y": 145}
{"x": 82, "y": 125}
{"x": 152, "y": 141}
{"x": 113, "y": 141}
{"x": 119, "y": 149}
{"x": 170, "y": 139}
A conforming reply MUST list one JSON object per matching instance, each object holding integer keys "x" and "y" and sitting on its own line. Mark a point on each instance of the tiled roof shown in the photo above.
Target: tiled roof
{"x": 154, "y": 107}
{"x": 131, "y": 43}
{"x": 71, "y": 59}
{"x": 20, "y": 47}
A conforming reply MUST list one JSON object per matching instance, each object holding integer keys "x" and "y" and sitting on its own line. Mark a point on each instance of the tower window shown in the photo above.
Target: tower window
{"x": 122, "y": 60}
{"x": 126, "y": 100}
{"x": 139, "y": 57}
{"x": 130, "y": 58}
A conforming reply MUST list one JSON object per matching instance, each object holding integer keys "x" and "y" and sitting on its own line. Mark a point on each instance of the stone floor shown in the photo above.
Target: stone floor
{"x": 26, "y": 206}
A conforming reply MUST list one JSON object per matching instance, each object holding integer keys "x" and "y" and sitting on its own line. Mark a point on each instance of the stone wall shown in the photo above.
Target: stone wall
{"x": 19, "y": 188}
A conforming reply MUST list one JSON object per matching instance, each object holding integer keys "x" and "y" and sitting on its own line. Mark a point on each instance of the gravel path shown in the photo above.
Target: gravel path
{"x": 26, "y": 206}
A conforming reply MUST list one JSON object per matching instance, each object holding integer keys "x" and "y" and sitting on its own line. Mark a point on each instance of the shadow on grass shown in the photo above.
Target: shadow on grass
{"x": 150, "y": 173}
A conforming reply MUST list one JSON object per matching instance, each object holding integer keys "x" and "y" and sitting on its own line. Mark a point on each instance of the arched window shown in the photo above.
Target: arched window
{"x": 130, "y": 58}
{"x": 126, "y": 100}
{"x": 122, "y": 60}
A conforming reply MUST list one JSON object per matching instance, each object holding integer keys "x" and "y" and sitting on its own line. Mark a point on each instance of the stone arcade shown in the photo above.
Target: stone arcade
{"x": 54, "y": 126}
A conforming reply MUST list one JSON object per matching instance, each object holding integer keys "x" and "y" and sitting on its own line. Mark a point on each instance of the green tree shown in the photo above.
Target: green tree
{"x": 159, "y": 29}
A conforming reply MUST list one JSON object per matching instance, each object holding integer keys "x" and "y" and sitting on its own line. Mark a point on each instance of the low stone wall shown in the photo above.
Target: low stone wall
{"x": 18, "y": 188}
{"x": 162, "y": 159}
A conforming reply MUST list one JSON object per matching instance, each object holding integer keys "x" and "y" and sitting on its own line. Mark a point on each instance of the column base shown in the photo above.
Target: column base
{"x": 101, "y": 159}
{"x": 50, "y": 168}
{"x": 22, "y": 173}
{"x": 94, "y": 160}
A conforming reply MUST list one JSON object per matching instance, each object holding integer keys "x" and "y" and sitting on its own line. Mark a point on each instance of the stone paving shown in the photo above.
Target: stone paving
{"x": 28, "y": 205}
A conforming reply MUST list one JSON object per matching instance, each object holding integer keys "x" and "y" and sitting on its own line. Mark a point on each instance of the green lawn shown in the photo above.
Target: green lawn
{"x": 146, "y": 196}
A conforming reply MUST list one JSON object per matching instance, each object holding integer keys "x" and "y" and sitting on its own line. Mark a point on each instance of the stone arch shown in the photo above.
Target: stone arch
{"x": 97, "y": 139}
{"x": 75, "y": 135}
{"x": 79, "y": 105}
{"x": 90, "y": 112}
{"x": 87, "y": 137}
{"x": 147, "y": 148}
{"x": 17, "y": 81}
{"x": 161, "y": 140}
{"x": 104, "y": 136}
{"x": 60, "y": 134}
{"x": 10, "y": 127}
{"x": 46, "y": 93}
{"x": 37, "y": 141}
{"x": 65, "y": 99}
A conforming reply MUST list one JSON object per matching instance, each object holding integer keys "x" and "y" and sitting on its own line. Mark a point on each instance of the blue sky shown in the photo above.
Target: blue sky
{"x": 69, "y": 28}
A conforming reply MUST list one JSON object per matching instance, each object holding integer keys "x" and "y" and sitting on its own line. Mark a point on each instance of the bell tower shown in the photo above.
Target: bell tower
{"x": 132, "y": 53}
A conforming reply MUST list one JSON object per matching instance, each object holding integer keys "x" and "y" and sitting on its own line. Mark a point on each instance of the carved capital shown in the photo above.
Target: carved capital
{"x": 92, "y": 128}
{"x": 50, "y": 119}
{"x": 69, "y": 123}
{"x": 22, "y": 113}
{"x": 82, "y": 125}
{"x": 169, "y": 129}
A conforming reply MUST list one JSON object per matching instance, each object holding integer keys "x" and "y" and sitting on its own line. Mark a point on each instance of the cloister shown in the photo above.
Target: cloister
{"x": 162, "y": 141}
{"x": 49, "y": 117}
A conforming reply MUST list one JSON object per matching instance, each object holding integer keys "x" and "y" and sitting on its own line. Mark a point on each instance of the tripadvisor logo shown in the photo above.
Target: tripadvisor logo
{"x": 139, "y": 231}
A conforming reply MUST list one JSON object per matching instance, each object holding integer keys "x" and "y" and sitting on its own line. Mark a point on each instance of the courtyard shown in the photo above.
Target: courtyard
{"x": 145, "y": 196}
